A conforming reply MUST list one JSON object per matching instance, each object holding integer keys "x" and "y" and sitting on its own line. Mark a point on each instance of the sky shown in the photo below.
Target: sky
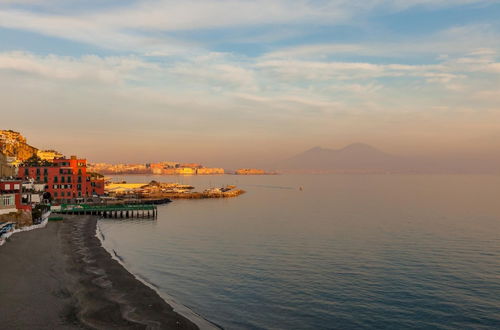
{"x": 245, "y": 82}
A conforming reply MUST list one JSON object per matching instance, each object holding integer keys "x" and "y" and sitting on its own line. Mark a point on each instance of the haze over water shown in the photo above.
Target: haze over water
{"x": 368, "y": 251}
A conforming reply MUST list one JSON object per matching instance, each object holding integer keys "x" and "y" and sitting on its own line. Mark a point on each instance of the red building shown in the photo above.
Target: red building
{"x": 10, "y": 196}
{"x": 65, "y": 178}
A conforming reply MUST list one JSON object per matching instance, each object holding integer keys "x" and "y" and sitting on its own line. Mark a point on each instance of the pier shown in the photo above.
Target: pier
{"x": 110, "y": 211}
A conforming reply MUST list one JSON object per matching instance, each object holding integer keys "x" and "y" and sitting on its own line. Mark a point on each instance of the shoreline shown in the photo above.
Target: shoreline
{"x": 61, "y": 277}
{"x": 183, "y": 310}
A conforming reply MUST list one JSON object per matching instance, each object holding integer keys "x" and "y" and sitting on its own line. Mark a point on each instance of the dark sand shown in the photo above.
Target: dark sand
{"x": 61, "y": 278}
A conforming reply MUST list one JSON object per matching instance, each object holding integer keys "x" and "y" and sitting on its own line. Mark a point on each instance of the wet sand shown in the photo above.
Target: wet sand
{"x": 60, "y": 277}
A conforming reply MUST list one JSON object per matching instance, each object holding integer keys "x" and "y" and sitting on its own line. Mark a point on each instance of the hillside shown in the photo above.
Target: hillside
{"x": 13, "y": 144}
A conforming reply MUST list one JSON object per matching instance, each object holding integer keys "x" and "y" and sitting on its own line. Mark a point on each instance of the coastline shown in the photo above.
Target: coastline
{"x": 197, "y": 319}
{"x": 60, "y": 277}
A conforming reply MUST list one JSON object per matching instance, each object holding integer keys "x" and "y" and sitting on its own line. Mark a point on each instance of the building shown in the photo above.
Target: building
{"x": 250, "y": 171}
{"x": 5, "y": 169}
{"x": 11, "y": 197}
{"x": 185, "y": 171}
{"x": 191, "y": 165}
{"x": 13, "y": 144}
{"x": 209, "y": 171}
{"x": 49, "y": 155}
{"x": 65, "y": 179}
{"x": 119, "y": 168}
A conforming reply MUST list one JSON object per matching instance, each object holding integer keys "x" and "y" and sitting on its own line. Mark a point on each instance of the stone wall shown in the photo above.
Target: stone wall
{"x": 21, "y": 218}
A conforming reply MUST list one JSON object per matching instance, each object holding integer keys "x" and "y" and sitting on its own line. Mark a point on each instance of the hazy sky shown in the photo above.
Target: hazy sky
{"x": 223, "y": 82}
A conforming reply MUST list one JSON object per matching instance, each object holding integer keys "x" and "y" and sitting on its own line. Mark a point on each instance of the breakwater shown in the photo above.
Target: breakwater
{"x": 197, "y": 195}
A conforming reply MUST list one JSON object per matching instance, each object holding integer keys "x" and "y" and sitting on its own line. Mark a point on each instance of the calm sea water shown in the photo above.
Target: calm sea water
{"x": 369, "y": 251}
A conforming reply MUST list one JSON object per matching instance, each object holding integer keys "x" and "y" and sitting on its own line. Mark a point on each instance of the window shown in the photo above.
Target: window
{"x": 79, "y": 172}
{"x": 45, "y": 171}
{"x": 79, "y": 179}
{"x": 26, "y": 172}
{"x": 45, "y": 179}
{"x": 55, "y": 179}
{"x": 37, "y": 171}
{"x": 16, "y": 186}
{"x": 55, "y": 194}
{"x": 7, "y": 200}
{"x": 63, "y": 179}
{"x": 69, "y": 179}
{"x": 7, "y": 186}
{"x": 79, "y": 186}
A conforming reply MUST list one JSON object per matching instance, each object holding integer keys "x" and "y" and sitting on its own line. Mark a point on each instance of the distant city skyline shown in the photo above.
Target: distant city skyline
{"x": 234, "y": 83}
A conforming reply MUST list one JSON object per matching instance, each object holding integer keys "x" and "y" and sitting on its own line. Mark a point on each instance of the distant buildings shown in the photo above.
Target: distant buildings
{"x": 65, "y": 179}
{"x": 49, "y": 155}
{"x": 105, "y": 168}
{"x": 163, "y": 168}
{"x": 173, "y": 168}
{"x": 209, "y": 171}
{"x": 250, "y": 171}
{"x": 13, "y": 144}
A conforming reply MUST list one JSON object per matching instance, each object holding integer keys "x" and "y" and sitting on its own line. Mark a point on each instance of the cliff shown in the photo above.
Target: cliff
{"x": 13, "y": 144}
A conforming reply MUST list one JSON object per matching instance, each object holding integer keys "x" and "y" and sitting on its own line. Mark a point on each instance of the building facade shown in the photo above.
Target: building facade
{"x": 5, "y": 169}
{"x": 11, "y": 193}
{"x": 64, "y": 178}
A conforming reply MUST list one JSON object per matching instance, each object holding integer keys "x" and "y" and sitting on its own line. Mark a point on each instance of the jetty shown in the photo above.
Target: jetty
{"x": 109, "y": 211}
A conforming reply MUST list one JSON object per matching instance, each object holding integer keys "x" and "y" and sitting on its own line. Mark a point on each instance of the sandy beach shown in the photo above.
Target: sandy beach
{"x": 60, "y": 277}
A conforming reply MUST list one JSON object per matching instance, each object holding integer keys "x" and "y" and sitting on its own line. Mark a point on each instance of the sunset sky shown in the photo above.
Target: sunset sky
{"x": 228, "y": 82}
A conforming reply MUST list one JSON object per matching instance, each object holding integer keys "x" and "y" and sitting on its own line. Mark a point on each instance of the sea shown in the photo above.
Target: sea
{"x": 324, "y": 251}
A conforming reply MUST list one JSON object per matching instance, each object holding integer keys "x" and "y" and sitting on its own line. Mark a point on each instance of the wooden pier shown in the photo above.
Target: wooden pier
{"x": 110, "y": 211}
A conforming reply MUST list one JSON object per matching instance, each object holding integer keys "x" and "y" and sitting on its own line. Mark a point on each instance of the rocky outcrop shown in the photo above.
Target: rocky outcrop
{"x": 13, "y": 144}
{"x": 21, "y": 218}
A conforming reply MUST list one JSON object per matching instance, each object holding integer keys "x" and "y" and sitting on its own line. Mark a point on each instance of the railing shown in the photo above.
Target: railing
{"x": 117, "y": 207}
{"x": 109, "y": 211}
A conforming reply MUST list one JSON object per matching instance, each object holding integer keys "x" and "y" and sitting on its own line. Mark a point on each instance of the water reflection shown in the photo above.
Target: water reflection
{"x": 347, "y": 251}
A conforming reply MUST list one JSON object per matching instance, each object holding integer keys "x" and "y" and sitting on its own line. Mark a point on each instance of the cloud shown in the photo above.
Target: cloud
{"x": 472, "y": 39}
{"x": 144, "y": 26}
{"x": 109, "y": 70}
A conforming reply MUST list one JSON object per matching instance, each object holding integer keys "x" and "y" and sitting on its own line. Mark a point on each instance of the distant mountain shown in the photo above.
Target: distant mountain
{"x": 363, "y": 158}
{"x": 354, "y": 157}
